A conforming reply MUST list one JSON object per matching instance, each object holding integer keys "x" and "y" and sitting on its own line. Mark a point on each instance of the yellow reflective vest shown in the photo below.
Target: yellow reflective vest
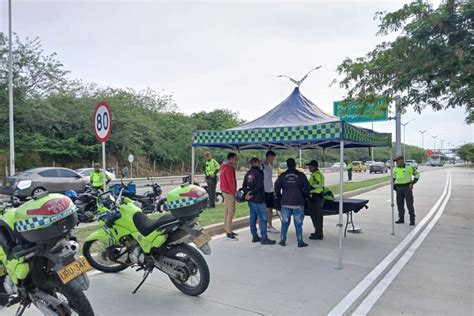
{"x": 405, "y": 174}
{"x": 316, "y": 182}
{"x": 212, "y": 167}
{"x": 98, "y": 179}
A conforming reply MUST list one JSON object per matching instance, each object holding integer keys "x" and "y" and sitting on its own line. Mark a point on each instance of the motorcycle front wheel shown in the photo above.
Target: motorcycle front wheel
{"x": 70, "y": 296}
{"x": 198, "y": 271}
{"x": 101, "y": 257}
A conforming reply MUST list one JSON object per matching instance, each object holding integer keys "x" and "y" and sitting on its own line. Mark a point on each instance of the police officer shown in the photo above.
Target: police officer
{"x": 211, "y": 170}
{"x": 98, "y": 177}
{"x": 316, "y": 200}
{"x": 405, "y": 176}
{"x": 349, "y": 170}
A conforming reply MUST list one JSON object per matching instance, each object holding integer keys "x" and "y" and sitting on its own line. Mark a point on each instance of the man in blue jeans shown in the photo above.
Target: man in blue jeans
{"x": 255, "y": 195}
{"x": 292, "y": 187}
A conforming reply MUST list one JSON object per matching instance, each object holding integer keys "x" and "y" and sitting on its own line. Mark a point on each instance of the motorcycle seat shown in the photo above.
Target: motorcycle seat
{"x": 146, "y": 225}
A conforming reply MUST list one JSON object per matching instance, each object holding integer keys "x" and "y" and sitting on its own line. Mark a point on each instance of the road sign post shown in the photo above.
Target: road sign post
{"x": 102, "y": 124}
{"x": 130, "y": 160}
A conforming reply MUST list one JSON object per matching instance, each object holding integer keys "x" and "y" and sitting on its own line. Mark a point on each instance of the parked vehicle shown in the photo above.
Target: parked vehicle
{"x": 282, "y": 167}
{"x": 86, "y": 204}
{"x": 377, "y": 167}
{"x": 128, "y": 238}
{"x": 358, "y": 166}
{"x": 388, "y": 164}
{"x": 437, "y": 160}
{"x": 149, "y": 202}
{"x": 48, "y": 179}
{"x": 336, "y": 166}
{"x": 368, "y": 163}
{"x": 86, "y": 172}
{"x": 412, "y": 162}
{"x": 38, "y": 262}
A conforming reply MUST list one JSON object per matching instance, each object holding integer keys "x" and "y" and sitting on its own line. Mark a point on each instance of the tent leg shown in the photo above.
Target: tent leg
{"x": 341, "y": 192}
{"x": 391, "y": 192}
{"x": 192, "y": 164}
{"x": 301, "y": 163}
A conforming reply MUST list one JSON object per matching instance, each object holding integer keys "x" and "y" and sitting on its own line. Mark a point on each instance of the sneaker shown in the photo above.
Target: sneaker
{"x": 315, "y": 237}
{"x": 235, "y": 234}
{"x": 282, "y": 243}
{"x": 232, "y": 237}
{"x": 412, "y": 223}
{"x": 400, "y": 221}
{"x": 266, "y": 241}
{"x": 256, "y": 239}
{"x": 273, "y": 230}
{"x": 302, "y": 244}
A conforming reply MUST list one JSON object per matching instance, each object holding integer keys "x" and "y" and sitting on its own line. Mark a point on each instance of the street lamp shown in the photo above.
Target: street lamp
{"x": 404, "y": 136}
{"x": 422, "y": 132}
{"x": 442, "y": 142}
{"x": 434, "y": 142}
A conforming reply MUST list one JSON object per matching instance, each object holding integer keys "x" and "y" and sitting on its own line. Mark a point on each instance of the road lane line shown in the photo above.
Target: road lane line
{"x": 370, "y": 278}
{"x": 382, "y": 286}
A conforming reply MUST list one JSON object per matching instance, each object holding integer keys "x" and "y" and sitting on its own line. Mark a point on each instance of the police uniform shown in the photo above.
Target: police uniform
{"x": 349, "y": 171}
{"x": 98, "y": 179}
{"x": 405, "y": 176}
{"x": 316, "y": 202}
{"x": 211, "y": 170}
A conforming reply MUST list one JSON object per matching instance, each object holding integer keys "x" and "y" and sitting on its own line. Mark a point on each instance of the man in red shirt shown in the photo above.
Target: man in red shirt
{"x": 229, "y": 188}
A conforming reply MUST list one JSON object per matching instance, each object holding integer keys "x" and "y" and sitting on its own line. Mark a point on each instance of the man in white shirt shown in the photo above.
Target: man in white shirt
{"x": 267, "y": 167}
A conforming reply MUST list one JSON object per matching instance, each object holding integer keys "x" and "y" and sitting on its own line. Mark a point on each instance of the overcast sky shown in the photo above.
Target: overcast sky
{"x": 219, "y": 54}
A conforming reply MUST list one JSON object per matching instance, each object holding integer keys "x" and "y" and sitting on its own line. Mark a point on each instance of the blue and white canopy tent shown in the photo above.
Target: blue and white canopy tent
{"x": 296, "y": 123}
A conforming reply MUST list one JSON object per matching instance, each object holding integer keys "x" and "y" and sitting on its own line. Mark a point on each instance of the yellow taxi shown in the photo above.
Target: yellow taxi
{"x": 358, "y": 166}
{"x": 282, "y": 167}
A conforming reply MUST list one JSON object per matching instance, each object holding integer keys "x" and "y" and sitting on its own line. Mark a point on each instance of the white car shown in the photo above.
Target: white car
{"x": 336, "y": 166}
{"x": 86, "y": 172}
{"x": 369, "y": 162}
{"x": 412, "y": 162}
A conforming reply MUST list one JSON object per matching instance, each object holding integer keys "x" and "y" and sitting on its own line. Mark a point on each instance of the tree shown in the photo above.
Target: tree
{"x": 430, "y": 63}
{"x": 466, "y": 152}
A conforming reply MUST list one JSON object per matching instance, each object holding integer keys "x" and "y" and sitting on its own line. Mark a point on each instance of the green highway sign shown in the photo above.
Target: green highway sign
{"x": 356, "y": 112}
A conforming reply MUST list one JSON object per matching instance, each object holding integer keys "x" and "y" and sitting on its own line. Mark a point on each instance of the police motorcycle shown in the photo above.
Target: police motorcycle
{"x": 128, "y": 238}
{"x": 219, "y": 195}
{"x": 38, "y": 262}
{"x": 86, "y": 204}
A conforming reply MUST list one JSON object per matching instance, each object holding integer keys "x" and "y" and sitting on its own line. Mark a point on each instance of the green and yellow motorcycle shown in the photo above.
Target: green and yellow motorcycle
{"x": 38, "y": 261}
{"x": 130, "y": 238}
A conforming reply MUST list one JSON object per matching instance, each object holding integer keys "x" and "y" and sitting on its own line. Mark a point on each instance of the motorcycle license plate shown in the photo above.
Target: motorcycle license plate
{"x": 202, "y": 239}
{"x": 73, "y": 270}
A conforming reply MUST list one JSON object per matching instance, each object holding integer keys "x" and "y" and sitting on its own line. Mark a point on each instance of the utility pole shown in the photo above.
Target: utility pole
{"x": 372, "y": 148}
{"x": 404, "y": 137}
{"x": 442, "y": 142}
{"x": 398, "y": 127}
{"x": 10, "y": 90}
{"x": 434, "y": 142}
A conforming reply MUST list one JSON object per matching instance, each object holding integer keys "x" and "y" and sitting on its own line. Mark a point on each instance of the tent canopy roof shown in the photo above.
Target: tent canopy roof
{"x": 294, "y": 123}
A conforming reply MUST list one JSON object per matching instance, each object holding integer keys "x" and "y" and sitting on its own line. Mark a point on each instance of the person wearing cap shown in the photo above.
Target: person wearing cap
{"x": 292, "y": 187}
{"x": 98, "y": 177}
{"x": 211, "y": 170}
{"x": 253, "y": 187}
{"x": 405, "y": 176}
{"x": 316, "y": 200}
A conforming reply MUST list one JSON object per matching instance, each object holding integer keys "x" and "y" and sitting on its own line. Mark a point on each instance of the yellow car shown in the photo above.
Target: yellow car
{"x": 358, "y": 166}
{"x": 282, "y": 167}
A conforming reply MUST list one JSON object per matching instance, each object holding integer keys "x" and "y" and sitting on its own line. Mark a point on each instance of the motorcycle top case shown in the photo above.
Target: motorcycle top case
{"x": 187, "y": 201}
{"x": 129, "y": 190}
{"x": 46, "y": 219}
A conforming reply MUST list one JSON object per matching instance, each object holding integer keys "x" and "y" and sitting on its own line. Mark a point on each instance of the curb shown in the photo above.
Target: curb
{"x": 241, "y": 222}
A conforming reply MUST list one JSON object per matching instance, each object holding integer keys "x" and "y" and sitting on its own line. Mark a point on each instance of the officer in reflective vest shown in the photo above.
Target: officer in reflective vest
{"x": 316, "y": 201}
{"x": 349, "y": 170}
{"x": 405, "y": 176}
{"x": 98, "y": 177}
{"x": 211, "y": 170}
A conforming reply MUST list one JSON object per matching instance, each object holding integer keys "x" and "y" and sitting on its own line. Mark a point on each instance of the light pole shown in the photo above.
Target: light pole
{"x": 10, "y": 91}
{"x": 442, "y": 142}
{"x": 404, "y": 137}
{"x": 422, "y": 132}
{"x": 434, "y": 143}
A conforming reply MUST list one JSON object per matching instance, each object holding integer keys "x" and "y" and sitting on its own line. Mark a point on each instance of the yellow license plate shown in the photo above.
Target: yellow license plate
{"x": 73, "y": 270}
{"x": 202, "y": 239}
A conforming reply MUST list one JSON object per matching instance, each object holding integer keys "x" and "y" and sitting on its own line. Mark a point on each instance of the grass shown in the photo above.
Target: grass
{"x": 216, "y": 215}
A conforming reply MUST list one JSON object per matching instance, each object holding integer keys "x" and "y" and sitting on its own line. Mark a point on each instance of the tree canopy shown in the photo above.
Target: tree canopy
{"x": 430, "y": 63}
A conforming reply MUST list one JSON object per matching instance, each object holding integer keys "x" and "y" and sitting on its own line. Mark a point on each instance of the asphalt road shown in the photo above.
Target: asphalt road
{"x": 251, "y": 279}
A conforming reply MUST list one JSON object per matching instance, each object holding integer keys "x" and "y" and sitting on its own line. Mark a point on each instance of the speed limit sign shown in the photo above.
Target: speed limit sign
{"x": 102, "y": 121}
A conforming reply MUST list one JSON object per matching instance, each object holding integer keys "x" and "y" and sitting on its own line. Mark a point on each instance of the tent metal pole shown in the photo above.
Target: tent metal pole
{"x": 341, "y": 192}
{"x": 301, "y": 163}
{"x": 192, "y": 163}
{"x": 391, "y": 192}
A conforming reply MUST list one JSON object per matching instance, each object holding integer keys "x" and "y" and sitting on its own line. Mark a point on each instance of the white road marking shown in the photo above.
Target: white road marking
{"x": 382, "y": 286}
{"x": 367, "y": 282}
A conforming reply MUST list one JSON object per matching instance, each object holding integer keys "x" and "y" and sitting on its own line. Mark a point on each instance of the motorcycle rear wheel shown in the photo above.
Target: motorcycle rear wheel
{"x": 199, "y": 279}
{"x": 94, "y": 251}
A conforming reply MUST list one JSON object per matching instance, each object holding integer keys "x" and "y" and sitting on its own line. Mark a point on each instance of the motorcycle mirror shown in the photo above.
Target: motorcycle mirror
{"x": 23, "y": 184}
{"x": 124, "y": 172}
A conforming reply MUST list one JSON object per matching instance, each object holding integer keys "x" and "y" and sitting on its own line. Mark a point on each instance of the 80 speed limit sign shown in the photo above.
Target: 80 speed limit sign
{"x": 102, "y": 121}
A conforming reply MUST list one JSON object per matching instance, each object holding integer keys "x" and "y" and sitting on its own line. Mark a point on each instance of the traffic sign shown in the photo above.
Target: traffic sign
{"x": 130, "y": 158}
{"x": 102, "y": 121}
{"x": 356, "y": 112}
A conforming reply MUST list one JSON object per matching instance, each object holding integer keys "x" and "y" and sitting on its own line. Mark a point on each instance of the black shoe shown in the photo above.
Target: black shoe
{"x": 266, "y": 241}
{"x": 302, "y": 244}
{"x": 282, "y": 243}
{"x": 235, "y": 234}
{"x": 316, "y": 237}
{"x": 256, "y": 239}
{"x": 232, "y": 237}
{"x": 400, "y": 221}
{"x": 412, "y": 223}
